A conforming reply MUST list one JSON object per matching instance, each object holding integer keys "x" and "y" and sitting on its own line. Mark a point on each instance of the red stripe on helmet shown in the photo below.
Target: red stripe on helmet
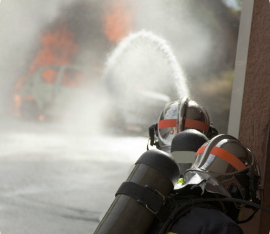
{"x": 227, "y": 156}
{"x": 167, "y": 123}
{"x": 191, "y": 123}
{"x": 200, "y": 150}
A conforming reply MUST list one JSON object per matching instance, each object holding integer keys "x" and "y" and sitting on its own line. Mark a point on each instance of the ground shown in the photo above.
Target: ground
{"x": 53, "y": 180}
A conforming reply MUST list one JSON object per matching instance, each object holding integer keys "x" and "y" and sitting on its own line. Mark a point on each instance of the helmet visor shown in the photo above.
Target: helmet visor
{"x": 226, "y": 158}
{"x": 167, "y": 124}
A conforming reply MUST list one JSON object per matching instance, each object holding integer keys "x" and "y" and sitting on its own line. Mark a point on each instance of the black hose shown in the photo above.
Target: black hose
{"x": 239, "y": 201}
{"x": 249, "y": 218}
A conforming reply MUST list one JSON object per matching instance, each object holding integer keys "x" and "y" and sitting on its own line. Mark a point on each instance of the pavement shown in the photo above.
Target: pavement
{"x": 58, "y": 180}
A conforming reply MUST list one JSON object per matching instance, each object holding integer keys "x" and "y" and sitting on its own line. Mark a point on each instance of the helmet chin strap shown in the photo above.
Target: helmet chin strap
{"x": 152, "y": 132}
{"x": 212, "y": 132}
{"x": 253, "y": 186}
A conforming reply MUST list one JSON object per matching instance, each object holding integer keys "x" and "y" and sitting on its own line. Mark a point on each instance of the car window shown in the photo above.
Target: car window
{"x": 72, "y": 78}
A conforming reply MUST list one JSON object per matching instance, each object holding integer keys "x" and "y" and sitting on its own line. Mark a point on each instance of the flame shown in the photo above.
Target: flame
{"x": 118, "y": 20}
{"x": 49, "y": 76}
{"x": 17, "y": 103}
{"x": 58, "y": 47}
{"x": 41, "y": 117}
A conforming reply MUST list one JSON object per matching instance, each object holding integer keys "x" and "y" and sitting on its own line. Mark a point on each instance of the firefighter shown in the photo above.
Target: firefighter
{"x": 179, "y": 116}
{"x": 223, "y": 180}
{"x": 223, "y": 170}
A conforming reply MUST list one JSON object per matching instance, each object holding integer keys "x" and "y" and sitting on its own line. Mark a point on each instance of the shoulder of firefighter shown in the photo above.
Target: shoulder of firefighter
{"x": 205, "y": 221}
{"x": 211, "y": 200}
{"x": 183, "y": 216}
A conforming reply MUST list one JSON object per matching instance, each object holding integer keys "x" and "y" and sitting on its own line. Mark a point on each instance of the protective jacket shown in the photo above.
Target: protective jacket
{"x": 205, "y": 221}
{"x": 201, "y": 218}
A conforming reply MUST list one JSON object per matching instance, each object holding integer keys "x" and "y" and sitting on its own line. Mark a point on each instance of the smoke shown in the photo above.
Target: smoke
{"x": 21, "y": 24}
{"x": 178, "y": 23}
{"x": 201, "y": 34}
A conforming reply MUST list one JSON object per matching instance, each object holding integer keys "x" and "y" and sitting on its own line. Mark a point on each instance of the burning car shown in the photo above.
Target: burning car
{"x": 60, "y": 92}
{"x": 51, "y": 90}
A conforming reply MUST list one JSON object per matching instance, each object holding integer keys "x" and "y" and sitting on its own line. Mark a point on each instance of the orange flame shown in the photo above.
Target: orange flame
{"x": 117, "y": 21}
{"x": 57, "y": 48}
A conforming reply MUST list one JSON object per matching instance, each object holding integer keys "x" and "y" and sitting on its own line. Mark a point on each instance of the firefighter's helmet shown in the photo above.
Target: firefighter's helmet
{"x": 223, "y": 165}
{"x": 184, "y": 147}
{"x": 179, "y": 116}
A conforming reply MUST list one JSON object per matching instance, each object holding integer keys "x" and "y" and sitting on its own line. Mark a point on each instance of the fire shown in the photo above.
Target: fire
{"x": 41, "y": 117}
{"x": 57, "y": 48}
{"x": 117, "y": 20}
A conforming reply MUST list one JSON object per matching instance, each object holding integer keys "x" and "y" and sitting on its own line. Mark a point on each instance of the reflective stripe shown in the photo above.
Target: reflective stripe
{"x": 240, "y": 213}
{"x": 200, "y": 150}
{"x": 180, "y": 181}
{"x": 227, "y": 156}
{"x": 167, "y": 123}
{"x": 184, "y": 156}
{"x": 195, "y": 124}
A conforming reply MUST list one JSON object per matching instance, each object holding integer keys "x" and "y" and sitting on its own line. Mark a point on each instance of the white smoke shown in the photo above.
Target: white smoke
{"x": 21, "y": 23}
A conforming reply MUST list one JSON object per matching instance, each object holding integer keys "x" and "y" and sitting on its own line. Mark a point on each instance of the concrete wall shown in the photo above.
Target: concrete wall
{"x": 255, "y": 114}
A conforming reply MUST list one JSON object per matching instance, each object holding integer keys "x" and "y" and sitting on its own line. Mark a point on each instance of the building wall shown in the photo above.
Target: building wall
{"x": 255, "y": 115}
